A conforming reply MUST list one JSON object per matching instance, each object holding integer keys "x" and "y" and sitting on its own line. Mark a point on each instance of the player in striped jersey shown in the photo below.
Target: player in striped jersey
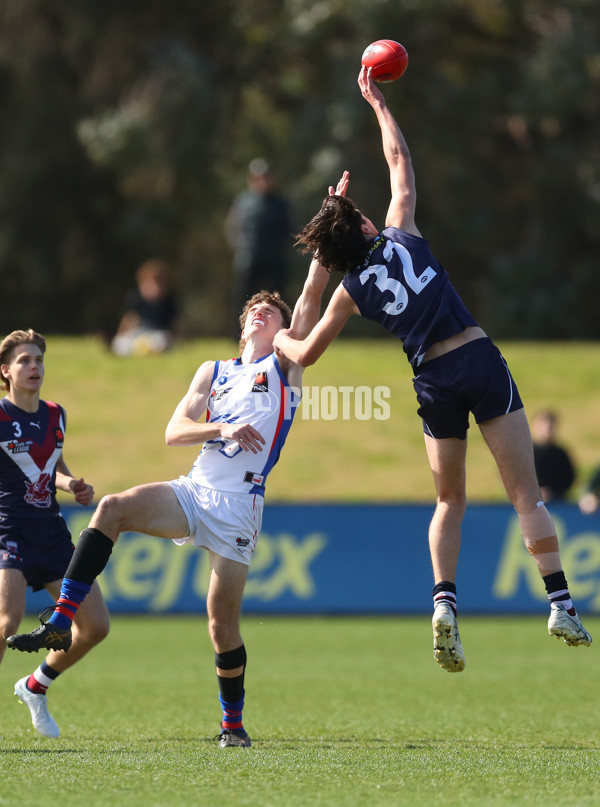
{"x": 35, "y": 544}
{"x": 249, "y": 403}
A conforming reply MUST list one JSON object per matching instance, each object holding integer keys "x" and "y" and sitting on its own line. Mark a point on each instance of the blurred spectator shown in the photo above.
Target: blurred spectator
{"x": 589, "y": 501}
{"x": 553, "y": 465}
{"x": 149, "y": 314}
{"x": 259, "y": 229}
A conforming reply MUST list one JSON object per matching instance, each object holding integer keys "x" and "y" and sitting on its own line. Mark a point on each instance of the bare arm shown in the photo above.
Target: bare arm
{"x": 308, "y": 307}
{"x": 305, "y": 317}
{"x": 184, "y": 430}
{"x": 401, "y": 212}
{"x": 65, "y": 481}
{"x": 306, "y": 352}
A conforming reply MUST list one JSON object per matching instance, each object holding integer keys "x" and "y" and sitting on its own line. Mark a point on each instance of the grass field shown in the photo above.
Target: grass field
{"x": 344, "y": 712}
{"x": 118, "y": 410}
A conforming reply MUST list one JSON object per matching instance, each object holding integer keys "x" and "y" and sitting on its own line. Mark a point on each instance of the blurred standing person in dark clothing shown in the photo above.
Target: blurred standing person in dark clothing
{"x": 259, "y": 229}
{"x": 553, "y": 464}
{"x": 149, "y": 314}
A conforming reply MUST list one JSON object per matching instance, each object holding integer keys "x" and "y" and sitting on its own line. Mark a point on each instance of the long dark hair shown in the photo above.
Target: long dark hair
{"x": 334, "y": 235}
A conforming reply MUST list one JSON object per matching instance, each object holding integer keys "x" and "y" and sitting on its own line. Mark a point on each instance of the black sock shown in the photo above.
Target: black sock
{"x": 558, "y": 590}
{"x": 231, "y": 690}
{"x": 445, "y": 591}
{"x": 90, "y": 556}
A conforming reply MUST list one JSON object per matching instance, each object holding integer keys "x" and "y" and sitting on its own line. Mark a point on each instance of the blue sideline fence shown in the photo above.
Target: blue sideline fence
{"x": 353, "y": 559}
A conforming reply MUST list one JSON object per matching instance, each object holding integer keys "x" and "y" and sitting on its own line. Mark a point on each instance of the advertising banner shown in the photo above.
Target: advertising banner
{"x": 354, "y": 559}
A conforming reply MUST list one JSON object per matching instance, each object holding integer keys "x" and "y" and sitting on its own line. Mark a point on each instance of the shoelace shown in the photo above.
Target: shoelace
{"x": 45, "y": 615}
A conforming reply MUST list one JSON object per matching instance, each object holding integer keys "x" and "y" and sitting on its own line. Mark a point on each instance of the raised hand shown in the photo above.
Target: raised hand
{"x": 370, "y": 91}
{"x": 342, "y": 185}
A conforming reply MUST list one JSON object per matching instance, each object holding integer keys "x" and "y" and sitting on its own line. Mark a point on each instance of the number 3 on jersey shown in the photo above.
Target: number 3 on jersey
{"x": 385, "y": 283}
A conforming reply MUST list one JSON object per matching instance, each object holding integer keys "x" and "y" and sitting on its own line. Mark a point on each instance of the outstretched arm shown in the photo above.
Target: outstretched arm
{"x": 306, "y": 352}
{"x": 308, "y": 307}
{"x": 401, "y": 212}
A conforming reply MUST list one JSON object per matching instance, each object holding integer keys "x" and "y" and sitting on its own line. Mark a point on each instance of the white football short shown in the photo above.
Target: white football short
{"x": 227, "y": 523}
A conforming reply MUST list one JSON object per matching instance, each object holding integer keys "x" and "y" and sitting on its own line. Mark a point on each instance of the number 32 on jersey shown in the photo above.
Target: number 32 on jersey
{"x": 385, "y": 283}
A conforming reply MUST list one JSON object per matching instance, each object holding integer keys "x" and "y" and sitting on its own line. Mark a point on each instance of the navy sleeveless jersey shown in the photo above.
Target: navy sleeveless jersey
{"x": 403, "y": 287}
{"x": 30, "y": 446}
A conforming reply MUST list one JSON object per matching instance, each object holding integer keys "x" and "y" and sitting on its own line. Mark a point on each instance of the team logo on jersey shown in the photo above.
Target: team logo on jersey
{"x": 242, "y": 543}
{"x": 217, "y": 394}
{"x": 38, "y": 493}
{"x": 376, "y": 243}
{"x": 58, "y": 436}
{"x": 261, "y": 382}
{"x": 19, "y": 446}
{"x": 13, "y": 551}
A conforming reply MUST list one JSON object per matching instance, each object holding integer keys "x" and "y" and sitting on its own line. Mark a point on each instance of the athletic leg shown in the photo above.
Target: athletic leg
{"x": 509, "y": 440}
{"x": 13, "y": 588}
{"x": 90, "y": 626}
{"x": 153, "y": 509}
{"x": 223, "y": 605}
{"x": 447, "y": 459}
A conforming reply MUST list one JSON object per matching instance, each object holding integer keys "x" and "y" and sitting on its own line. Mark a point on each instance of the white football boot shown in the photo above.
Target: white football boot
{"x": 38, "y": 706}
{"x": 447, "y": 648}
{"x": 564, "y": 626}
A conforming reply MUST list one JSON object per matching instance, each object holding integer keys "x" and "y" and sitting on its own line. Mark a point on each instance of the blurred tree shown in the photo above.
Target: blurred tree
{"x": 127, "y": 129}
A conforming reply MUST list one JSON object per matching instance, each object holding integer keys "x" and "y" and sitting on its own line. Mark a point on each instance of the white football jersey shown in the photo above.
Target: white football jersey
{"x": 260, "y": 395}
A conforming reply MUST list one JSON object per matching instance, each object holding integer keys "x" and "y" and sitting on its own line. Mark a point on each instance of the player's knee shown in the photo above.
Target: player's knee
{"x": 524, "y": 500}
{"x": 222, "y": 631}
{"x": 217, "y": 632}
{"x": 111, "y": 513}
{"x": 9, "y": 624}
{"x": 453, "y": 500}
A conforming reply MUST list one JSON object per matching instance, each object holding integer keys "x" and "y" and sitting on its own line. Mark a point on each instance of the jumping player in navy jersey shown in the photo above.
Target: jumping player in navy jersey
{"x": 35, "y": 544}
{"x": 249, "y": 404}
{"x": 392, "y": 277}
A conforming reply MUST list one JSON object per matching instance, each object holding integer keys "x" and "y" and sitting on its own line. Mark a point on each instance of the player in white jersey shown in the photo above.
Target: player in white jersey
{"x": 250, "y": 403}
{"x": 35, "y": 543}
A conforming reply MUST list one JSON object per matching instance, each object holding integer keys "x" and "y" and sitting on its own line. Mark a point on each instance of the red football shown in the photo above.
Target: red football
{"x": 387, "y": 58}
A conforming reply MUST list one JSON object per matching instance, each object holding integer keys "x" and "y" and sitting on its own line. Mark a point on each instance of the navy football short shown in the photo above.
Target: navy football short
{"x": 40, "y": 548}
{"x": 472, "y": 378}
